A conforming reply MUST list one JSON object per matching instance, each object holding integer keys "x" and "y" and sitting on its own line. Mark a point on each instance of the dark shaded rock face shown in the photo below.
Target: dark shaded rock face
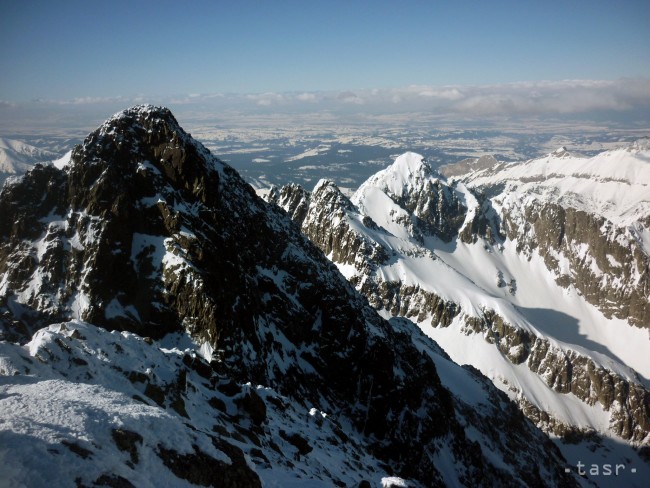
{"x": 201, "y": 469}
{"x": 100, "y": 228}
{"x": 437, "y": 209}
{"x": 485, "y": 223}
{"x": 293, "y": 198}
{"x": 146, "y": 232}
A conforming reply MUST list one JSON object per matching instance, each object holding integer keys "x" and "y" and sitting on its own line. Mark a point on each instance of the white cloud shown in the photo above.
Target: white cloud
{"x": 621, "y": 98}
{"x": 555, "y": 97}
{"x": 93, "y": 100}
{"x": 306, "y": 97}
{"x": 350, "y": 97}
{"x": 443, "y": 93}
{"x": 266, "y": 99}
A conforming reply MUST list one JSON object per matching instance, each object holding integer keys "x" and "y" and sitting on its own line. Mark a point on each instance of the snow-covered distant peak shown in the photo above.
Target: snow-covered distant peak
{"x": 17, "y": 157}
{"x": 469, "y": 165}
{"x": 640, "y": 145}
{"x": 614, "y": 184}
{"x": 561, "y": 152}
{"x": 24, "y": 148}
{"x": 409, "y": 171}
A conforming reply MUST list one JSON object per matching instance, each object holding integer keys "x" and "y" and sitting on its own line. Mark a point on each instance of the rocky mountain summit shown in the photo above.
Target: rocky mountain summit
{"x": 536, "y": 273}
{"x": 163, "y": 326}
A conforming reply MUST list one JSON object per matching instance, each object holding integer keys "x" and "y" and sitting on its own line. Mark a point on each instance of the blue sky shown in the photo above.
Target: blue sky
{"x": 71, "y": 61}
{"x": 71, "y": 49}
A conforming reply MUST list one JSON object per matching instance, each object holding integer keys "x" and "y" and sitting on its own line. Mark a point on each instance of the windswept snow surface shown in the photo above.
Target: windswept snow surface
{"x": 63, "y": 161}
{"x": 69, "y": 395}
{"x": 559, "y": 313}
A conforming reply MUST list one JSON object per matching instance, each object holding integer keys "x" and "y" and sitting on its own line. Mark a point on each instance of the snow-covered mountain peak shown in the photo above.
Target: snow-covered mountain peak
{"x": 326, "y": 191}
{"x": 144, "y": 111}
{"x": 561, "y": 152}
{"x": 409, "y": 171}
{"x": 409, "y": 164}
{"x": 138, "y": 130}
{"x": 409, "y": 196}
{"x": 613, "y": 184}
{"x": 324, "y": 184}
{"x": 132, "y": 121}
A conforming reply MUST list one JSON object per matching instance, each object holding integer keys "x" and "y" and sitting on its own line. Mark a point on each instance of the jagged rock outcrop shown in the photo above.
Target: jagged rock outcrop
{"x": 408, "y": 301}
{"x": 331, "y": 222}
{"x": 570, "y": 372}
{"x": 484, "y": 222}
{"x": 293, "y": 198}
{"x": 425, "y": 205}
{"x": 145, "y": 232}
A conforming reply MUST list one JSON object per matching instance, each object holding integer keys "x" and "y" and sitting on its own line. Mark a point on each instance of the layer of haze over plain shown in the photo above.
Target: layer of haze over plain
{"x": 333, "y": 83}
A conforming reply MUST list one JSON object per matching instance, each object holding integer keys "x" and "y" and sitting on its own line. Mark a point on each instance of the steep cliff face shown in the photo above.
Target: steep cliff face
{"x": 587, "y": 217}
{"x": 607, "y": 263}
{"x": 522, "y": 272}
{"x": 331, "y": 222}
{"x": 144, "y": 232}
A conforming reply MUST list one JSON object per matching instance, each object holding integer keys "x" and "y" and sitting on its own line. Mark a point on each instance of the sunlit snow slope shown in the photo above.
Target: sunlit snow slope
{"x": 536, "y": 273}
{"x": 16, "y": 157}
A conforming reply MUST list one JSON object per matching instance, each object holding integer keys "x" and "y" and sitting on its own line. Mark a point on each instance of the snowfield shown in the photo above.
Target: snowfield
{"x": 76, "y": 406}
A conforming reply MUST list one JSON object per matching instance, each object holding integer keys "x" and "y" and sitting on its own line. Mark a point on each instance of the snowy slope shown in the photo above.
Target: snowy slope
{"x": 614, "y": 184}
{"x": 489, "y": 296}
{"x": 16, "y": 157}
{"x": 80, "y": 403}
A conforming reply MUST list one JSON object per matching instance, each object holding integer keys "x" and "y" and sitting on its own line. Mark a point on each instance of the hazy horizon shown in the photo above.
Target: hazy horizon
{"x": 295, "y": 91}
{"x": 77, "y": 63}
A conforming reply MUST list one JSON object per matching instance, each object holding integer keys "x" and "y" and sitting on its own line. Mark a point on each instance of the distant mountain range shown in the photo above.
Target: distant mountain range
{"x": 17, "y": 157}
{"x": 536, "y": 273}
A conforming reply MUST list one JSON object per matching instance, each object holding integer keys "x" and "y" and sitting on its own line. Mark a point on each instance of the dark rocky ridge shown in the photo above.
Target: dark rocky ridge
{"x": 321, "y": 216}
{"x": 145, "y": 231}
